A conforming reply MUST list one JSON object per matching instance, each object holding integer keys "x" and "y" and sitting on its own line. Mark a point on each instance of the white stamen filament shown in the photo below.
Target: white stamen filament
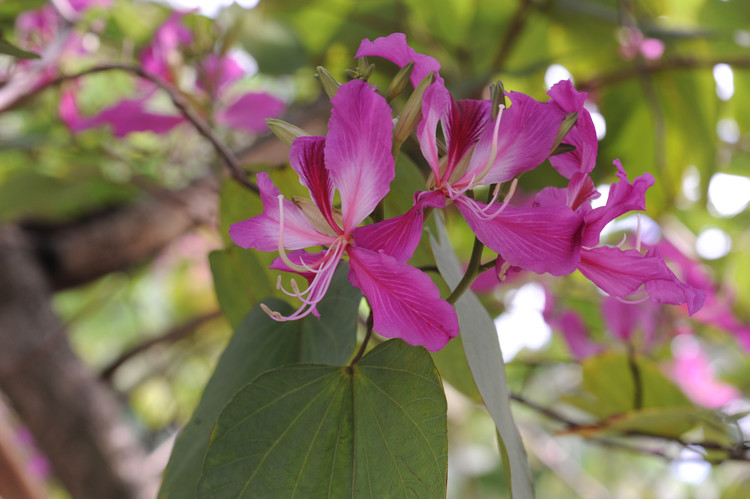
{"x": 282, "y": 253}
{"x": 493, "y": 151}
{"x": 317, "y": 288}
{"x": 638, "y": 233}
{"x": 632, "y": 302}
{"x": 619, "y": 245}
{"x": 484, "y": 213}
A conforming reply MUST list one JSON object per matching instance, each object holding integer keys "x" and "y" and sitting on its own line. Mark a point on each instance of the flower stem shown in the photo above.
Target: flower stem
{"x": 362, "y": 348}
{"x": 471, "y": 272}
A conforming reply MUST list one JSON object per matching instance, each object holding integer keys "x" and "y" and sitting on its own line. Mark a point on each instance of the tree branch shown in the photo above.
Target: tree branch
{"x": 179, "y": 101}
{"x": 170, "y": 336}
{"x": 81, "y": 251}
{"x": 75, "y": 419}
{"x": 651, "y": 67}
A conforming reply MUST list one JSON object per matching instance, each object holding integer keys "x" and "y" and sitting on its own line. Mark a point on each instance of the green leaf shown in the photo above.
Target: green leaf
{"x": 240, "y": 281}
{"x": 610, "y": 390}
{"x": 260, "y": 344}
{"x": 306, "y": 430}
{"x": 486, "y": 361}
{"x": 8, "y": 48}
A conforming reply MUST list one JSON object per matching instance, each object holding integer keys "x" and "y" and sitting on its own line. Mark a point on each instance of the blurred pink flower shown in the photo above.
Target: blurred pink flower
{"x": 632, "y": 42}
{"x": 692, "y": 371}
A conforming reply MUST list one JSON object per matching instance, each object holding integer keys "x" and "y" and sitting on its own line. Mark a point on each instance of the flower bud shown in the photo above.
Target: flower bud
{"x": 497, "y": 94}
{"x": 567, "y": 124}
{"x": 286, "y": 132}
{"x": 411, "y": 113}
{"x": 327, "y": 81}
{"x": 399, "y": 82}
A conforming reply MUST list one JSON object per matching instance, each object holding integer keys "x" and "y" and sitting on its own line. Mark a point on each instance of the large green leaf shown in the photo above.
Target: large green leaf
{"x": 486, "y": 362}
{"x": 376, "y": 430}
{"x": 260, "y": 344}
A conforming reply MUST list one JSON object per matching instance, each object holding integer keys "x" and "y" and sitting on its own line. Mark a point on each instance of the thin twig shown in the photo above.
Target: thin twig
{"x": 170, "y": 336}
{"x": 512, "y": 33}
{"x": 179, "y": 102}
{"x": 368, "y": 334}
{"x": 665, "y": 64}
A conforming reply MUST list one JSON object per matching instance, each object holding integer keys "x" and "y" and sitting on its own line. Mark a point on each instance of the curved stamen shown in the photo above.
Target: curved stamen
{"x": 638, "y": 233}
{"x": 493, "y": 151}
{"x": 484, "y": 213}
{"x": 282, "y": 253}
{"x": 632, "y": 302}
{"x": 315, "y": 292}
{"x": 624, "y": 238}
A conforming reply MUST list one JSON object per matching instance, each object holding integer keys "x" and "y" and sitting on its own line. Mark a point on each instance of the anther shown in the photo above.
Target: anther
{"x": 272, "y": 314}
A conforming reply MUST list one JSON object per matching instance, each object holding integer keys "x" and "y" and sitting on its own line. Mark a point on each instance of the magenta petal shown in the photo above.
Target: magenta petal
{"x": 623, "y": 197}
{"x": 622, "y": 319}
{"x": 405, "y": 302}
{"x": 216, "y": 72}
{"x": 527, "y": 131}
{"x": 463, "y": 125}
{"x": 576, "y": 336}
{"x": 130, "y": 115}
{"x": 399, "y": 236}
{"x": 250, "y": 111}
{"x": 358, "y": 150}
{"x": 622, "y": 273}
{"x": 436, "y": 102}
{"x": 307, "y": 159}
{"x": 262, "y": 232}
{"x": 582, "y": 136}
{"x": 545, "y": 239}
{"x": 693, "y": 372}
{"x": 395, "y": 49}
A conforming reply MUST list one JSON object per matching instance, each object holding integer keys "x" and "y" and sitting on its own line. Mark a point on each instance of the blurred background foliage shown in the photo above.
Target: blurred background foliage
{"x": 683, "y": 116}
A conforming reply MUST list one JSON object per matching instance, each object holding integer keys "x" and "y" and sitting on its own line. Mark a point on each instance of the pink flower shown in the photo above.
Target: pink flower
{"x": 216, "y": 73}
{"x": 355, "y": 160}
{"x": 483, "y": 151}
{"x": 632, "y": 42}
{"x": 693, "y": 372}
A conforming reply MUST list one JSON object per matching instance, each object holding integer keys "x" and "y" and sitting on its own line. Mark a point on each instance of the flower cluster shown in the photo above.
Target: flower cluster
{"x": 215, "y": 76}
{"x": 555, "y": 231}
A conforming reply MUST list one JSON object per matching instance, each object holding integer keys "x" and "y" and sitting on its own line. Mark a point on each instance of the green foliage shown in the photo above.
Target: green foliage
{"x": 375, "y": 430}
{"x": 8, "y": 48}
{"x": 260, "y": 344}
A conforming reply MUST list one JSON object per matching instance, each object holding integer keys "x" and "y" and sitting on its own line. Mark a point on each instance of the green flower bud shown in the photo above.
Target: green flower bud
{"x": 286, "y": 132}
{"x": 327, "y": 81}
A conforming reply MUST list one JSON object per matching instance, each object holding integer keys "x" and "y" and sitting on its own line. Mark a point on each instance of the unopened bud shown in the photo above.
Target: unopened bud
{"x": 286, "y": 132}
{"x": 562, "y": 149}
{"x": 327, "y": 81}
{"x": 364, "y": 70}
{"x": 497, "y": 94}
{"x": 399, "y": 82}
{"x": 411, "y": 113}
{"x": 565, "y": 127}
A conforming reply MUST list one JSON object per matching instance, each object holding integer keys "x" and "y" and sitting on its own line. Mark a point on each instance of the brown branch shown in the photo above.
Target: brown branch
{"x": 652, "y": 67}
{"x": 179, "y": 101}
{"x": 170, "y": 336}
{"x": 81, "y": 251}
{"x": 512, "y": 33}
{"x": 737, "y": 452}
{"x": 74, "y": 418}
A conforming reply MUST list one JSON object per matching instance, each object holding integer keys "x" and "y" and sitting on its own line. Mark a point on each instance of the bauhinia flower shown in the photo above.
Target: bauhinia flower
{"x": 482, "y": 151}
{"x": 215, "y": 75}
{"x": 355, "y": 160}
